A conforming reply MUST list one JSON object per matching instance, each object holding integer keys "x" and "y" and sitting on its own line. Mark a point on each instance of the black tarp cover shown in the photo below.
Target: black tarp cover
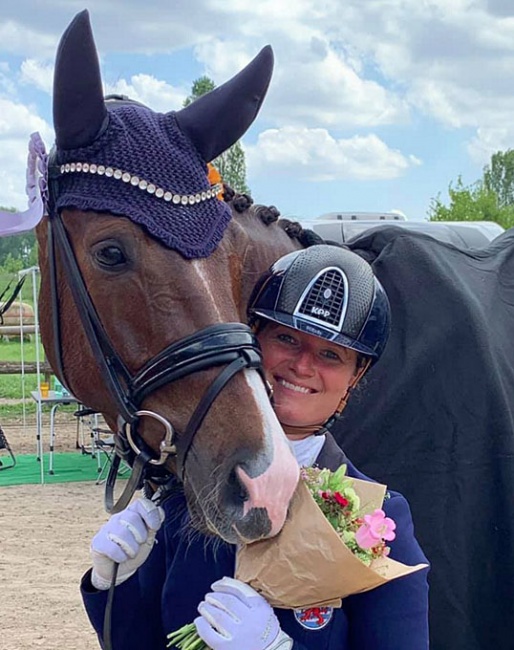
{"x": 435, "y": 421}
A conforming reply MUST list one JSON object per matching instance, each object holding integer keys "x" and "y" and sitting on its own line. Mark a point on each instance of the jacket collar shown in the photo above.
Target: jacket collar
{"x": 331, "y": 455}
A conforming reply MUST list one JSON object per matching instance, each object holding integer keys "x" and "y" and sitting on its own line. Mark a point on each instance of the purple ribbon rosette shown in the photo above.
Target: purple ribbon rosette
{"x": 13, "y": 223}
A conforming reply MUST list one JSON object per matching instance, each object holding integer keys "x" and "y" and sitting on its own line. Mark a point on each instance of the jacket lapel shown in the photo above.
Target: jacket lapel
{"x": 331, "y": 455}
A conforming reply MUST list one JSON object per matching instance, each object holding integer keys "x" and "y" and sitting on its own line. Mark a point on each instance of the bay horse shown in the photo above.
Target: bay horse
{"x": 142, "y": 316}
{"x": 120, "y": 301}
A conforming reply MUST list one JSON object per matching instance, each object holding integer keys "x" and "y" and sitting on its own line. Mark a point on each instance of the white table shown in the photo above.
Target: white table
{"x": 55, "y": 401}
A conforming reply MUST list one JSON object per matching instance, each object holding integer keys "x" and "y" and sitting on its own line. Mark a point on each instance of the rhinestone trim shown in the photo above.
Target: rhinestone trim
{"x": 142, "y": 184}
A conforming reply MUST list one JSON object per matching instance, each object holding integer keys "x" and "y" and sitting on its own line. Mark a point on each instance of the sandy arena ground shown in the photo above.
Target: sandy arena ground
{"x": 44, "y": 540}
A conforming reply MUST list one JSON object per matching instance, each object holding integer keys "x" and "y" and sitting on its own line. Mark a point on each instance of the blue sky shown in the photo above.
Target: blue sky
{"x": 374, "y": 105}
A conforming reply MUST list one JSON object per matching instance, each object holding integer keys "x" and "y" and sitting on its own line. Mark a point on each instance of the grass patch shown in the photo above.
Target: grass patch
{"x": 15, "y": 411}
{"x": 11, "y": 386}
{"x": 11, "y": 351}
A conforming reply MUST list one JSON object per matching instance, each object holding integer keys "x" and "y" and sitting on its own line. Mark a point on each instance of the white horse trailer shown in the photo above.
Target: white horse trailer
{"x": 340, "y": 227}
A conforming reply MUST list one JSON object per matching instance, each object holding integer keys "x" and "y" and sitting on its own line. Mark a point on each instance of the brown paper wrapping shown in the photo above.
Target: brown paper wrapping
{"x": 307, "y": 564}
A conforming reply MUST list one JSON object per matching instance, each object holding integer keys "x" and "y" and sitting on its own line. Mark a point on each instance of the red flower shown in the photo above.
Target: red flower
{"x": 341, "y": 499}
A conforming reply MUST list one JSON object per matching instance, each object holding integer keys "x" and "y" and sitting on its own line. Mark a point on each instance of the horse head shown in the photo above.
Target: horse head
{"x": 145, "y": 274}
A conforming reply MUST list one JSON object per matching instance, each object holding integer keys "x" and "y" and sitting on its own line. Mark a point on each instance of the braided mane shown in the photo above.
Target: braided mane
{"x": 269, "y": 214}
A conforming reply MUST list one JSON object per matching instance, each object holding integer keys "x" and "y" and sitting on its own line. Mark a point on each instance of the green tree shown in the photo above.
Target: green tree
{"x": 499, "y": 177}
{"x": 472, "y": 202}
{"x": 232, "y": 167}
{"x": 201, "y": 86}
{"x": 231, "y": 164}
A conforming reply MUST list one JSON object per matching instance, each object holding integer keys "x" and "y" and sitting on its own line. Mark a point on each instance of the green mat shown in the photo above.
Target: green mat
{"x": 67, "y": 467}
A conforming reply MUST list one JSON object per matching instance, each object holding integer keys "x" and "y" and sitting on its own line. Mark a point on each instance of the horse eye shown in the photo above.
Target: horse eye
{"x": 110, "y": 256}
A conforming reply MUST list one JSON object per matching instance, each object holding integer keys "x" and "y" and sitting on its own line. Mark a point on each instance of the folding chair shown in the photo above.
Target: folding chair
{"x": 101, "y": 443}
{"x": 105, "y": 450}
{"x": 105, "y": 445}
{"x": 4, "y": 444}
{"x": 87, "y": 419}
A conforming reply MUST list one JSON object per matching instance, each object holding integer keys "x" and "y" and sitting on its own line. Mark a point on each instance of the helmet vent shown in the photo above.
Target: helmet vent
{"x": 325, "y": 299}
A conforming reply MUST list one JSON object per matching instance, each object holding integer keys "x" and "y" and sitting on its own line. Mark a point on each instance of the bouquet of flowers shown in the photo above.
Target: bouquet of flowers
{"x": 333, "y": 544}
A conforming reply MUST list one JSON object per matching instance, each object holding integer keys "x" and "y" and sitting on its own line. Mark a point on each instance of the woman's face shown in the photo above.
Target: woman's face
{"x": 309, "y": 375}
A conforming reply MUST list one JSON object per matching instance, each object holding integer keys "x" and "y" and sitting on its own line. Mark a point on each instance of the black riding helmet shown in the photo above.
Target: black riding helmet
{"x": 328, "y": 292}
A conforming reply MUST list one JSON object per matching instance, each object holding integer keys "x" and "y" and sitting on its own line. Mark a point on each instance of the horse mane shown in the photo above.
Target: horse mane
{"x": 270, "y": 214}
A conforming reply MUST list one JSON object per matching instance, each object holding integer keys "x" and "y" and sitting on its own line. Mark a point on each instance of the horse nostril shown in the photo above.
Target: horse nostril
{"x": 236, "y": 491}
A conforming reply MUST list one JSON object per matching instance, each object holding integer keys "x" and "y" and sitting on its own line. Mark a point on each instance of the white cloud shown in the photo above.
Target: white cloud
{"x": 155, "y": 93}
{"x": 223, "y": 59}
{"x": 312, "y": 85}
{"x": 144, "y": 88}
{"x": 37, "y": 74}
{"x": 8, "y": 86}
{"x": 326, "y": 90}
{"x": 349, "y": 66}
{"x": 33, "y": 30}
{"x": 489, "y": 140}
{"x": 16, "y": 120}
{"x": 453, "y": 60}
{"x": 314, "y": 155}
{"x": 19, "y": 38}
{"x": 338, "y": 64}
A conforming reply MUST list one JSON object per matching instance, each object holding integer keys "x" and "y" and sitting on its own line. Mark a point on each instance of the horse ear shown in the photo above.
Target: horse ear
{"x": 79, "y": 109}
{"x": 216, "y": 120}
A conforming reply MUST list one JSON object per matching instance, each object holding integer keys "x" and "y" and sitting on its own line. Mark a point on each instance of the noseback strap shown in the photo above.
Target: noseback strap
{"x": 215, "y": 345}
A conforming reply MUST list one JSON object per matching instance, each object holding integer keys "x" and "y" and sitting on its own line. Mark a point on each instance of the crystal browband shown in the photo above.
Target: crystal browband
{"x": 141, "y": 183}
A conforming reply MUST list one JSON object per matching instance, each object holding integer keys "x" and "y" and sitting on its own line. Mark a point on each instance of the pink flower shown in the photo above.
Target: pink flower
{"x": 376, "y": 527}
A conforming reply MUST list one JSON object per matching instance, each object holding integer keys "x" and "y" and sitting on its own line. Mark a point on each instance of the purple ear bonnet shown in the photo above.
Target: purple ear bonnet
{"x": 121, "y": 157}
{"x": 143, "y": 167}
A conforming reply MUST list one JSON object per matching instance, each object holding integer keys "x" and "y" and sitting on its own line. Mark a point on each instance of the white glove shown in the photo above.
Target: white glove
{"x": 127, "y": 539}
{"x": 235, "y": 617}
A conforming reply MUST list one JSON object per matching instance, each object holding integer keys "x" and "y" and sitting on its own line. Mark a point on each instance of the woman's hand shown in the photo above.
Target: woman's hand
{"x": 235, "y": 617}
{"x": 126, "y": 539}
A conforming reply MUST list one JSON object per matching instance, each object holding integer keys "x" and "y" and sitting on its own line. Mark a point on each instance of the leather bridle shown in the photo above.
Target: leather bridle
{"x": 232, "y": 345}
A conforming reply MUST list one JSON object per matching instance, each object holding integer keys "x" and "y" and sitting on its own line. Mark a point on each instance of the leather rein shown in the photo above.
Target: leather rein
{"x": 232, "y": 345}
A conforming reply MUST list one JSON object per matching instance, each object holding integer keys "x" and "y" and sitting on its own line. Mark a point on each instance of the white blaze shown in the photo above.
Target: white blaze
{"x": 200, "y": 271}
{"x": 273, "y": 488}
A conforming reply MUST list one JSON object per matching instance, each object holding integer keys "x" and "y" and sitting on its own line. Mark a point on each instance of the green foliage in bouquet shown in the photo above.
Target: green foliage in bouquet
{"x": 186, "y": 639}
{"x": 336, "y": 498}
